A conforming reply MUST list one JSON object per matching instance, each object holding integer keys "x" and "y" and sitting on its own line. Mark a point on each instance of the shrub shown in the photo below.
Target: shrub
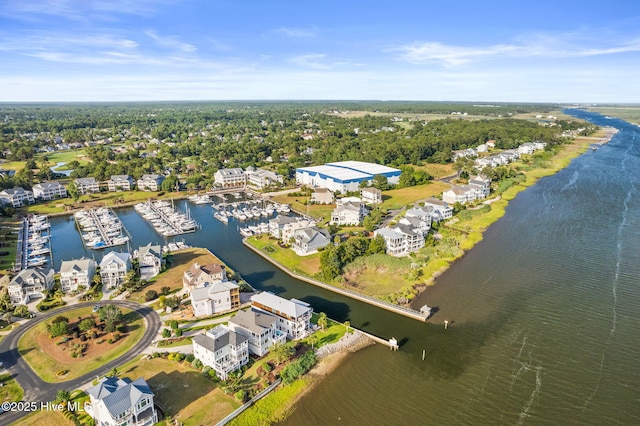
{"x": 166, "y": 333}
{"x": 165, "y": 290}
{"x": 179, "y": 332}
{"x": 150, "y": 295}
{"x": 197, "y": 364}
{"x": 267, "y": 367}
{"x": 174, "y": 325}
{"x": 240, "y": 395}
{"x": 190, "y": 357}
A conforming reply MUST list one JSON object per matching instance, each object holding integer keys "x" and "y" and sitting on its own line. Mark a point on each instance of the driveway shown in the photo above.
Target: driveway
{"x": 37, "y": 390}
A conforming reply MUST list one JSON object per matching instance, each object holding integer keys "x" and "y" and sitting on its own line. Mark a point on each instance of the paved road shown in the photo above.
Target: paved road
{"x": 37, "y": 390}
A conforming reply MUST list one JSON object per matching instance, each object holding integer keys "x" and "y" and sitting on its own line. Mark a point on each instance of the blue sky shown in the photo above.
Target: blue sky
{"x": 521, "y": 51}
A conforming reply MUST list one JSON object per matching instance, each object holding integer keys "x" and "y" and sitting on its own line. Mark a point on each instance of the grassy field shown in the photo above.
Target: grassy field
{"x": 172, "y": 277}
{"x": 10, "y": 390}
{"x": 399, "y": 198}
{"x": 44, "y": 417}
{"x": 38, "y": 351}
{"x": 628, "y": 113}
{"x": 377, "y": 275}
{"x": 313, "y": 210}
{"x": 182, "y": 392}
{"x": 273, "y": 408}
{"x": 306, "y": 265}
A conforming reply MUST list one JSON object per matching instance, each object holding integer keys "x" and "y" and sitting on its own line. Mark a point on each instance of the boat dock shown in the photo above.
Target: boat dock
{"x": 164, "y": 218}
{"x": 34, "y": 243}
{"x": 100, "y": 228}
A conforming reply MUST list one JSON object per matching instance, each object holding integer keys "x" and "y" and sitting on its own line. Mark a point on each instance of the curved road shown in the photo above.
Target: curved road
{"x": 37, "y": 390}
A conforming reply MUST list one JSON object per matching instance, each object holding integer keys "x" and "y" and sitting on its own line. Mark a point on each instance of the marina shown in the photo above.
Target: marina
{"x": 34, "y": 248}
{"x": 100, "y": 228}
{"x": 165, "y": 219}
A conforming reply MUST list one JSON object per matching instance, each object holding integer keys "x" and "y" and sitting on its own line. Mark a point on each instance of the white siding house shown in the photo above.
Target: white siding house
{"x": 221, "y": 349}
{"x": 229, "y": 178}
{"x": 120, "y": 402}
{"x": 87, "y": 185}
{"x": 16, "y": 197}
{"x": 76, "y": 273}
{"x": 29, "y": 283}
{"x": 120, "y": 183}
{"x": 215, "y": 297}
{"x": 114, "y": 268}
{"x": 349, "y": 213}
{"x": 49, "y": 190}
{"x": 150, "y": 182}
{"x": 294, "y": 316}
{"x": 260, "y": 330}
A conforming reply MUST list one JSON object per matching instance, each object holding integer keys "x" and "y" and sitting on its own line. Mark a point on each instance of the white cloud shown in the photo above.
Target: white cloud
{"x": 171, "y": 42}
{"x": 297, "y": 32}
{"x": 532, "y": 46}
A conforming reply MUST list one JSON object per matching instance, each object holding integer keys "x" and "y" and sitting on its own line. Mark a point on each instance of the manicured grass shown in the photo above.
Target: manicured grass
{"x": 172, "y": 277}
{"x": 313, "y": 210}
{"x": 12, "y": 165}
{"x": 182, "y": 392}
{"x": 10, "y": 390}
{"x": 182, "y": 342}
{"x": 64, "y": 156}
{"x": 398, "y": 198}
{"x": 331, "y": 334}
{"x": 44, "y": 417}
{"x": 45, "y": 366}
{"x": 273, "y": 408}
{"x": 306, "y": 265}
{"x": 438, "y": 170}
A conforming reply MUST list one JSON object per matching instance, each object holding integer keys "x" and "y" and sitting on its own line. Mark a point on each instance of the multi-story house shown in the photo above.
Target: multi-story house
{"x": 149, "y": 260}
{"x": 294, "y": 316}
{"x": 121, "y": 402}
{"x": 215, "y": 297}
{"x": 310, "y": 240}
{"x": 77, "y": 274}
{"x": 441, "y": 209}
{"x": 261, "y": 178}
{"x": 28, "y": 284}
{"x": 349, "y": 213}
{"x": 49, "y": 190}
{"x": 221, "y": 349}
{"x": 114, "y": 268}
{"x": 87, "y": 185}
{"x": 481, "y": 184}
{"x": 371, "y": 195}
{"x": 283, "y": 227}
{"x": 401, "y": 239}
{"x": 322, "y": 196}
{"x": 16, "y": 197}
{"x": 259, "y": 328}
{"x": 460, "y": 194}
{"x": 229, "y": 178}
{"x": 150, "y": 182}
{"x": 120, "y": 183}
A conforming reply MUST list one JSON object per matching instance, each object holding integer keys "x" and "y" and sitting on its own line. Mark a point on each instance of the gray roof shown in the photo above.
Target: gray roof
{"x": 231, "y": 172}
{"x": 154, "y": 250}
{"x": 13, "y": 191}
{"x": 86, "y": 180}
{"x": 204, "y": 292}
{"x": 283, "y": 220}
{"x": 48, "y": 184}
{"x": 78, "y": 265}
{"x": 256, "y": 322}
{"x": 313, "y": 236}
{"x": 292, "y": 308}
{"x": 120, "y": 395}
{"x": 23, "y": 277}
{"x": 216, "y": 343}
{"x": 121, "y": 258}
{"x": 120, "y": 178}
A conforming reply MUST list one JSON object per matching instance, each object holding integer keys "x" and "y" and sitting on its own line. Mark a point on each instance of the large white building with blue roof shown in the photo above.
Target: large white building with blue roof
{"x": 344, "y": 176}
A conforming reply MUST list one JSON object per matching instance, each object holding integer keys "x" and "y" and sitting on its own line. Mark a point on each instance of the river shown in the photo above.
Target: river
{"x": 543, "y": 314}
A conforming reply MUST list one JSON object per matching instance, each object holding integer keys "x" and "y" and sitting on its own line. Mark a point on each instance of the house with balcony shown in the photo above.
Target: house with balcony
{"x": 401, "y": 239}
{"x": 198, "y": 275}
{"x": 371, "y": 195}
{"x": 215, "y": 297}
{"x": 119, "y": 402}
{"x": 120, "y": 183}
{"x": 87, "y": 185}
{"x": 16, "y": 197}
{"x": 261, "y": 178}
{"x": 221, "y": 349}
{"x": 76, "y": 275}
{"x": 150, "y": 182}
{"x": 114, "y": 268}
{"x": 322, "y": 196}
{"x": 283, "y": 227}
{"x": 29, "y": 284}
{"x": 460, "y": 194}
{"x": 50, "y": 190}
{"x": 259, "y": 328}
{"x": 309, "y": 240}
{"x": 481, "y": 184}
{"x": 149, "y": 260}
{"x": 441, "y": 209}
{"x": 294, "y": 316}
{"x": 230, "y": 178}
{"x": 349, "y": 213}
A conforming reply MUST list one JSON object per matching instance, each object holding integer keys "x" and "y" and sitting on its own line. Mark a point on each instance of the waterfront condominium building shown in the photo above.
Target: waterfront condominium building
{"x": 229, "y": 178}
{"x": 49, "y": 190}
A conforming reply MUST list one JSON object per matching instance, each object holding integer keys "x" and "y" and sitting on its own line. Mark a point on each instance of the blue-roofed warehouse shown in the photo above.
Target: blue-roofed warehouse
{"x": 344, "y": 176}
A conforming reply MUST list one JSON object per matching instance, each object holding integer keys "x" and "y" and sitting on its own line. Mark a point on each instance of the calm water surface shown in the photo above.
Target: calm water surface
{"x": 544, "y": 320}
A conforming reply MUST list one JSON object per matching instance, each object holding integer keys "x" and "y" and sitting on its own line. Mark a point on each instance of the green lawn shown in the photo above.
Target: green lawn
{"x": 398, "y": 198}
{"x": 45, "y": 366}
{"x": 306, "y": 265}
{"x": 44, "y": 417}
{"x": 10, "y": 390}
{"x": 64, "y": 156}
{"x": 182, "y": 392}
